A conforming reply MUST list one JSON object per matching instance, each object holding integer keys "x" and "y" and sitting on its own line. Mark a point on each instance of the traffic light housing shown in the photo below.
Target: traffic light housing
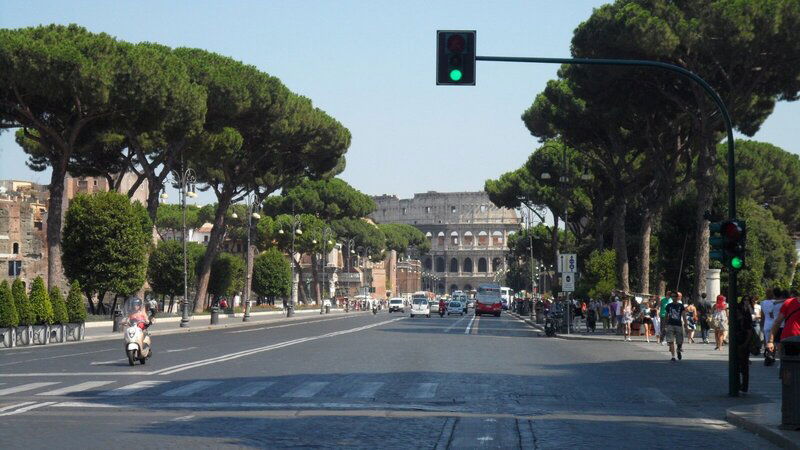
{"x": 727, "y": 243}
{"x": 455, "y": 57}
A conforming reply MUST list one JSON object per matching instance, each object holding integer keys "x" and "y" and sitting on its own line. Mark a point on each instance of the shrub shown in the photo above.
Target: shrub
{"x": 75, "y": 307}
{"x": 24, "y": 310}
{"x": 60, "y": 315}
{"x": 8, "y": 311}
{"x": 40, "y": 303}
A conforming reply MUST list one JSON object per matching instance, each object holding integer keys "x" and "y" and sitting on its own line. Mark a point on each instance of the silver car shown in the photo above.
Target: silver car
{"x": 455, "y": 307}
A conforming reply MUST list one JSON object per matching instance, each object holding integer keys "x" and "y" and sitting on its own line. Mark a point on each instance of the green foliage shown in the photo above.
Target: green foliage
{"x": 24, "y": 308}
{"x": 227, "y": 275}
{"x": 8, "y": 310}
{"x": 60, "y": 314}
{"x": 405, "y": 239}
{"x": 599, "y": 276}
{"x": 169, "y": 218}
{"x": 328, "y": 199}
{"x": 106, "y": 239}
{"x": 40, "y": 303}
{"x": 165, "y": 266}
{"x": 76, "y": 309}
{"x": 272, "y": 274}
{"x": 364, "y": 235}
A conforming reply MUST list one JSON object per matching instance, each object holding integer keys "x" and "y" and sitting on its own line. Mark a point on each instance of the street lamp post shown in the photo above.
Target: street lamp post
{"x": 326, "y": 233}
{"x": 295, "y": 231}
{"x": 251, "y": 202}
{"x": 186, "y": 180}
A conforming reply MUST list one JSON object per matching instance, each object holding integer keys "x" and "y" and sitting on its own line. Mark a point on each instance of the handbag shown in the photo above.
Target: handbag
{"x": 755, "y": 344}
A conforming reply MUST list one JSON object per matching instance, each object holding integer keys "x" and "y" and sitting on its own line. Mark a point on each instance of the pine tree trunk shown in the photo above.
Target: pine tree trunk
{"x": 315, "y": 276}
{"x": 55, "y": 218}
{"x": 705, "y": 198}
{"x": 644, "y": 259}
{"x": 248, "y": 282}
{"x": 620, "y": 245}
{"x": 214, "y": 241}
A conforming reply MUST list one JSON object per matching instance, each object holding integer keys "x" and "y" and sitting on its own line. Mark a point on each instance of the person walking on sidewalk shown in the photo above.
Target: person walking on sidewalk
{"x": 720, "y": 318}
{"x": 704, "y": 317}
{"x": 691, "y": 321}
{"x": 744, "y": 332}
{"x": 789, "y": 316}
{"x": 627, "y": 317}
{"x": 662, "y": 314}
{"x": 605, "y": 316}
{"x": 675, "y": 317}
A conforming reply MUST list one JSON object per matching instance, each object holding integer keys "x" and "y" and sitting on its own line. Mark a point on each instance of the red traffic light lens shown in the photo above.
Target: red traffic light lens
{"x": 456, "y": 43}
{"x": 731, "y": 230}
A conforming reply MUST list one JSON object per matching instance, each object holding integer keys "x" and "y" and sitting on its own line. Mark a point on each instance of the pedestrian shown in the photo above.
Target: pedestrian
{"x": 691, "y": 321}
{"x": 744, "y": 332}
{"x": 770, "y": 308}
{"x": 627, "y": 317}
{"x": 756, "y": 316}
{"x": 605, "y": 316}
{"x": 655, "y": 309}
{"x": 591, "y": 318}
{"x": 704, "y": 316}
{"x": 675, "y": 321}
{"x": 789, "y": 317}
{"x": 647, "y": 318}
{"x": 720, "y": 319}
{"x": 619, "y": 315}
{"x": 662, "y": 313}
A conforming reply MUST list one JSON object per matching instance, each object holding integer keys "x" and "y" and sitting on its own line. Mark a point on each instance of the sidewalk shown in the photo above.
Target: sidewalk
{"x": 762, "y": 419}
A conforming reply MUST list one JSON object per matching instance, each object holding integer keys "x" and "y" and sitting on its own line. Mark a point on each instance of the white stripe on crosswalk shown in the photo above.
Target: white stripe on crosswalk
{"x": 135, "y": 387}
{"x": 422, "y": 390}
{"x": 249, "y": 389}
{"x": 191, "y": 388}
{"x": 76, "y": 388}
{"x": 365, "y": 390}
{"x": 307, "y": 390}
{"x": 26, "y": 387}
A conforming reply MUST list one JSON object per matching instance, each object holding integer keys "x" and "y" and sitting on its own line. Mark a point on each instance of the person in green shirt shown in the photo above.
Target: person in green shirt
{"x": 662, "y": 313}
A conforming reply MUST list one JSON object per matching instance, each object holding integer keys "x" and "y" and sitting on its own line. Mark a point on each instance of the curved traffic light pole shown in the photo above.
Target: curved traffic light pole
{"x": 733, "y": 363}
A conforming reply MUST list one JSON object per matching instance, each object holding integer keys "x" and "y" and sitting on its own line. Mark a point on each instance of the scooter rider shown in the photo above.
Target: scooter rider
{"x": 442, "y": 307}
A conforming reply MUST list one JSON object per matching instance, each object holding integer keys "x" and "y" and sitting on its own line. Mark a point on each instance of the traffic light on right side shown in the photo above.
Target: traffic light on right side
{"x": 455, "y": 57}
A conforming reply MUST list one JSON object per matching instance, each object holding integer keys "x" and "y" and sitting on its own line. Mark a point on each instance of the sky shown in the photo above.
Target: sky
{"x": 370, "y": 64}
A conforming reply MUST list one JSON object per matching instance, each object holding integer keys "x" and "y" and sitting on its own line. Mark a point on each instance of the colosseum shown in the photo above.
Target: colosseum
{"x": 468, "y": 235}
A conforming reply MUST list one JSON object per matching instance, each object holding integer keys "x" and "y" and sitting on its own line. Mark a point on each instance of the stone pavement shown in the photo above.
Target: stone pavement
{"x": 762, "y": 419}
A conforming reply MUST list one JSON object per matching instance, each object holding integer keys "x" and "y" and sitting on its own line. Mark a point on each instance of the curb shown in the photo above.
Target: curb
{"x": 573, "y": 337}
{"x": 740, "y": 416}
{"x": 110, "y": 323}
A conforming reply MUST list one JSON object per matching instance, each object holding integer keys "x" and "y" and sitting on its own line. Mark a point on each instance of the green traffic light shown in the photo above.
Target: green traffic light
{"x": 455, "y": 75}
{"x": 736, "y": 262}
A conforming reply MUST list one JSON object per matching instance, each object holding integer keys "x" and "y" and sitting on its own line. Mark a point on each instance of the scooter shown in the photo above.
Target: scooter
{"x": 374, "y": 309}
{"x": 441, "y": 312}
{"x": 137, "y": 342}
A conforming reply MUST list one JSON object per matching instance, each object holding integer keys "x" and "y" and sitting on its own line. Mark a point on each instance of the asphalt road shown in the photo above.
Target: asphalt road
{"x": 364, "y": 381}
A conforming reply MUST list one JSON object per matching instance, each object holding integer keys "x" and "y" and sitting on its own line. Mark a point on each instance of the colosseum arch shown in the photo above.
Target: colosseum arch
{"x": 440, "y": 239}
{"x": 497, "y": 238}
{"x": 428, "y": 264}
{"x": 454, "y": 265}
{"x": 497, "y": 264}
{"x": 439, "y": 264}
{"x": 483, "y": 239}
{"x": 454, "y": 238}
{"x": 482, "y": 265}
{"x": 453, "y": 288}
{"x": 469, "y": 239}
{"x": 467, "y": 267}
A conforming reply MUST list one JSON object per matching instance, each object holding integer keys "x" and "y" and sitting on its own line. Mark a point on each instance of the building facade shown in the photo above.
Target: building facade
{"x": 23, "y": 222}
{"x": 468, "y": 236}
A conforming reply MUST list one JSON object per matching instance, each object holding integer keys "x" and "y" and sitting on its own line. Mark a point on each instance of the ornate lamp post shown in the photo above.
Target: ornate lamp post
{"x": 326, "y": 234}
{"x": 185, "y": 180}
{"x": 250, "y": 201}
{"x": 295, "y": 231}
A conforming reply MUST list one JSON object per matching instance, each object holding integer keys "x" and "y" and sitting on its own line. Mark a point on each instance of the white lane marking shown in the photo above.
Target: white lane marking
{"x": 365, "y": 390}
{"x": 469, "y": 325}
{"x": 131, "y": 373}
{"x": 218, "y": 359}
{"x": 191, "y": 388}
{"x": 249, "y": 389}
{"x": 103, "y": 363}
{"x": 26, "y": 387}
{"x": 135, "y": 387}
{"x": 183, "y": 418}
{"x": 178, "y": 350}
{"x": 288, "y": 325}
{"x": 447, "y": 434}
{"x": 27, "y": 408}
{"x": 422, "y": 390}
{"x": 485, "y": 439}
{"x": 655, "y": 395}
{"x": 306, "y": 390}
{"x": 80, "y": 387}
{"x": 16, "y": 405}
{"x": 55, "y": 357}
{"x": 447, "y": 330}
{"x": 85, "y": 405}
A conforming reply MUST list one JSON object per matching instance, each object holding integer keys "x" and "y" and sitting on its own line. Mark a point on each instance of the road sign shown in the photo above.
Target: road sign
{"x": 568, "y": 282}
{"x": 567, "y": 262}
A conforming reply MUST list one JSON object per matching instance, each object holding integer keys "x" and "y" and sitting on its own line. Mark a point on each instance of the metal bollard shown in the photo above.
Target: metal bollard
{"x": 214, "y": 315}
{"x": 117, "y": 326}
{"x": 790, "y": 383}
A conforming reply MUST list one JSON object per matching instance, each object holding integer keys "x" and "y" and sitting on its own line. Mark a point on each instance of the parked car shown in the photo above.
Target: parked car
{"x": 455, "y": 307}
{"x": 396, "y": 304}
{"x": 420, "y": 307}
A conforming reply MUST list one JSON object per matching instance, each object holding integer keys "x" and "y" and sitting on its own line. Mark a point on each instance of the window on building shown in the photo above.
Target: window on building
{"x": 14, "y": 268}
{"x": 452, "y": 210}
{"x": 95, "y": 182}
{"x": 38, "y": 225}
{"x": 404, "y": 211}
{"x": 428, "y": 209}
{"x": 15, "y": 248}
{"x": 483, "y": 208}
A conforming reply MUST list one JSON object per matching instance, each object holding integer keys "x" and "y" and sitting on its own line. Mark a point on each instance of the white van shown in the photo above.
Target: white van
{"x": 420, "y": 307}
{"x": 507, "y": 294}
